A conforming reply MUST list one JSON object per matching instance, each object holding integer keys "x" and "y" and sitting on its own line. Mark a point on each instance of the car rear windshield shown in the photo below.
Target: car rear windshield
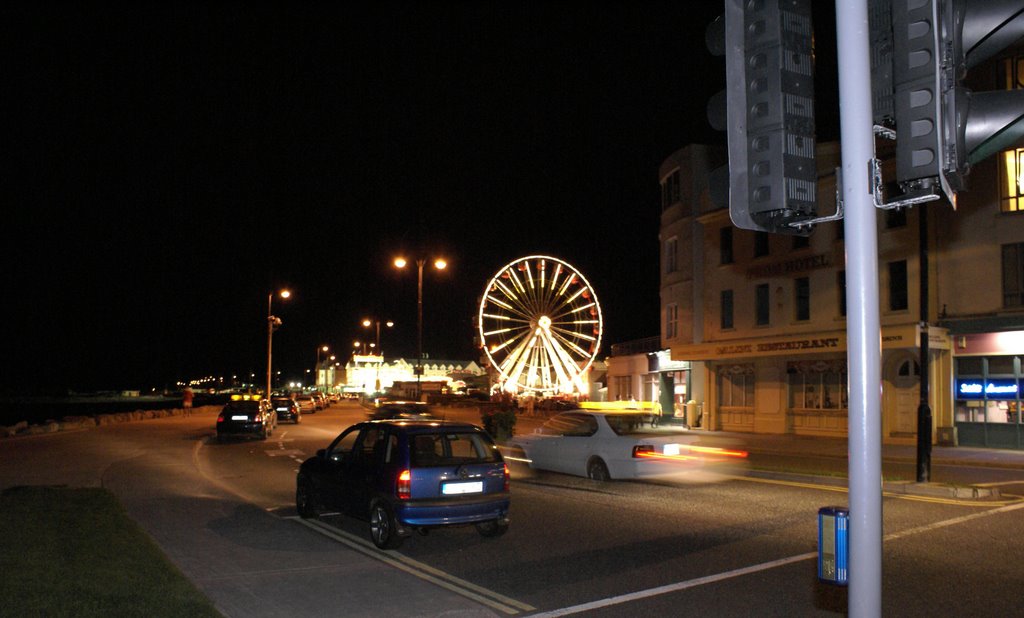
{"x": 243, "y": 406}
{"x": 452, "y": 449}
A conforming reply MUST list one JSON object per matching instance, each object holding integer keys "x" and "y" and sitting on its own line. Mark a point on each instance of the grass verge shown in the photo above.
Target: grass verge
{"x": 75, "y": 552}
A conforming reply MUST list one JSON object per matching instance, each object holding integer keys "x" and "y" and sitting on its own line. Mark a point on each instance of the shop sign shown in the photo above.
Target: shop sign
{"x": 973, "y": 388}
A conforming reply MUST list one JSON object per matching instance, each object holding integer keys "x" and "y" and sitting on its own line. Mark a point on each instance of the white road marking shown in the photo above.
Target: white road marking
{"x": 764, "y": 566}
{"x": 290, "y": 452}
{"x": 419, "y": 569}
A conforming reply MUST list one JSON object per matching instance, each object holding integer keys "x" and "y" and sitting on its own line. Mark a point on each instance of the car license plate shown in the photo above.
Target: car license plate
{"x": 471, "y": 487}
{"x": 239, "y": 418}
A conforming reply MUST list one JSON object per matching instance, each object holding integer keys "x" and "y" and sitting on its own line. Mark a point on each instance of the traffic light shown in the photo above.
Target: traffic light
{"x": 770, "y": 114}
{"x": 942, "y": 127}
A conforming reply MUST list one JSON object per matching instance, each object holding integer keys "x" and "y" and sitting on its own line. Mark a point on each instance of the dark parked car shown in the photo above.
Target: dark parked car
{"x": 400, "y": 409}
{"x": 246, "y": 417}
{"x": 406, "y": 475}
{"x": 287, "y": 409}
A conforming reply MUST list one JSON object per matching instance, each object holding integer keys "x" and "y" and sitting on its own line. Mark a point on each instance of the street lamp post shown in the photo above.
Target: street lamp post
{"x": 316, "y": 368}
{"x": 439, "y": 264}
{"x": 273, "y": 323}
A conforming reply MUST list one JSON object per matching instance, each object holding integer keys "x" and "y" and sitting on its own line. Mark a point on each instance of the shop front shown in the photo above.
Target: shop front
{"x": 798, "y": 385}
{"x": 987, "y": 389}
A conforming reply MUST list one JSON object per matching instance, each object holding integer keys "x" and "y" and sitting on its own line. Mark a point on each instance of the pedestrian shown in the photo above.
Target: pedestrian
{"x": 186, "y": 400}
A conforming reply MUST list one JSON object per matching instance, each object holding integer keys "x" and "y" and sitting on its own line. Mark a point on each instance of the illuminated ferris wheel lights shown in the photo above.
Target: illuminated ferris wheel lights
{"x": 500, "y": 303}
{"x": 540, "y": 330}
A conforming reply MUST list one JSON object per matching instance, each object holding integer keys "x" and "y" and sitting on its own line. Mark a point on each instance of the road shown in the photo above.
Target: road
{"x": 743, "y": 546}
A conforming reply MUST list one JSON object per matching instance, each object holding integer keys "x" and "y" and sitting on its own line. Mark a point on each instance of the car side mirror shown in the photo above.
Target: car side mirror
{"x": 321, "y": 453}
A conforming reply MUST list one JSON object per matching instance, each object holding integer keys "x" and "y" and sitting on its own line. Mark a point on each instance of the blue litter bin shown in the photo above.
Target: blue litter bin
{"x": 834, "y": 545}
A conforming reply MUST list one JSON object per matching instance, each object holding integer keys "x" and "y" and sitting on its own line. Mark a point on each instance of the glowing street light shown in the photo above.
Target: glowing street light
{"x": 439, "y": 264}
{"x": 273, "y": 323}
{"x": 368, "y": 322}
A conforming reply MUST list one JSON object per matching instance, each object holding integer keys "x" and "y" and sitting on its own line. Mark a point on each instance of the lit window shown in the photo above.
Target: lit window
{"x": 1011, "y": 181}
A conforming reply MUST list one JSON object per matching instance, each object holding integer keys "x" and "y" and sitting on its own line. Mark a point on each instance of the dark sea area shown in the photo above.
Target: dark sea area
{"x": 35, "y": 410}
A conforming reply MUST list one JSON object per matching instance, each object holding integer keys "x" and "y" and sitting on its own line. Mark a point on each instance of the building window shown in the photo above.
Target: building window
{"x": 817, "y": 385}
{"x": 671, "y": 321}
{"x": 896, "y": 217}
{"x": 802, "y": 292}
{"x": 725, "y": 245}
{"x": 760, "y": 244}
{"x": 1013, "y": 275}
{"x": 1011, "y": 181}
{"x": 841, "y": 285}
{"x": 671, "y": 252}
{"x": 670, "y": 190}
{"x": 761, "y": 305}
{"x": 898, "y": 286}
{"x": 801, "y": 242}
{"x": 987, "y": 391}
{"x": 726, "y": 309}
{"x": 623, "y": 387}
{"x": 737, "y": 386}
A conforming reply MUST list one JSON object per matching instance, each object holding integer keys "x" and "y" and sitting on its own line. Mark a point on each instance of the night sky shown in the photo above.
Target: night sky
{"x": 168, "y": 167}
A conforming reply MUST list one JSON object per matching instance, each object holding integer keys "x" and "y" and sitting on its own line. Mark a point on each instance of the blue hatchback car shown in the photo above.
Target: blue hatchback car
{"x": 409, "y": 475}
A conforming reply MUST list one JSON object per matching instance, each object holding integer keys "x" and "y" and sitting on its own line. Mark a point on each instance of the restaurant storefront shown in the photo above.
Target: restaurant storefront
{"x": 798, "y": 385}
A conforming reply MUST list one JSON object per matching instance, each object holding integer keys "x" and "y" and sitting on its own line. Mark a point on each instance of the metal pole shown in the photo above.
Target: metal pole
{"x": 924, "y": 411}
{"x": 270, "y": 338}
{"x": 863, "y": 328}
{"x": 419, "y": 330}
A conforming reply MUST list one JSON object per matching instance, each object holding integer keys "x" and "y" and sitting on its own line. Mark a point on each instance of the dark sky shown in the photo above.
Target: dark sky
{"x": 168, "y": 167}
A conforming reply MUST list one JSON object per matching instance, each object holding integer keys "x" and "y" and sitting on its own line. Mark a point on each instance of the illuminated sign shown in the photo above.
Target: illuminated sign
{"x": 992, "y": 389}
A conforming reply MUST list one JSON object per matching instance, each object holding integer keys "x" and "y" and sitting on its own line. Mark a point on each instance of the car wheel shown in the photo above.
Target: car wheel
{"x": 305, "y": 499}
{"x": 492, "y": 528}
{"x": 598, "y": 471}
{"x": 383, "y": 527}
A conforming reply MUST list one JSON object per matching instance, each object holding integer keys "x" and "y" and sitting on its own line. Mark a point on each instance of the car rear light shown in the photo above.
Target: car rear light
{"x": 220, "y": 418}
{"x": 507, "y": 486}
{"x": 643, "y": 450}
{"x": 404, "y": 488}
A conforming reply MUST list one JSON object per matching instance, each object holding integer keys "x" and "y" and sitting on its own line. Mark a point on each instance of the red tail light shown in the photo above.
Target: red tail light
{"x": 220, "y": 418}
{"x": 507, "y": 486}
{"x": 404, "y": 488}
{"x": 643, "y": 450}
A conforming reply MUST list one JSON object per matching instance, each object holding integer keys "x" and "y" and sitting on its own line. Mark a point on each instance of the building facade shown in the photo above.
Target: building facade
{"x": 761, "y": 318}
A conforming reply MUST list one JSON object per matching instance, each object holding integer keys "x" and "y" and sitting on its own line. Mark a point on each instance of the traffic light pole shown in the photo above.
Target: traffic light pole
{"x": 862, "y": 322}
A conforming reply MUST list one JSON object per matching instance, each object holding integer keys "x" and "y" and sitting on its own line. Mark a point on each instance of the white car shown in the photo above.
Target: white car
{"x": 613, "y": 445}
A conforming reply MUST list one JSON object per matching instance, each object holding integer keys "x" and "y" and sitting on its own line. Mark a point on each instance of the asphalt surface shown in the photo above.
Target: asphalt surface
{"x": 251, "y": 562}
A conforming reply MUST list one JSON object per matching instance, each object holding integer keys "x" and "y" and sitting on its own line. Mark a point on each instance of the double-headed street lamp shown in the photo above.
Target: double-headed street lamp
{"x": 439, "y": 264}
{"x": 368, "y": 322}
{"x": 273, "y": 322}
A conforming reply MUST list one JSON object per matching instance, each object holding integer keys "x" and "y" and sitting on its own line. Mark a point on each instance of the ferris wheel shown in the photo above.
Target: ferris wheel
{"x": 540, "y": 325}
